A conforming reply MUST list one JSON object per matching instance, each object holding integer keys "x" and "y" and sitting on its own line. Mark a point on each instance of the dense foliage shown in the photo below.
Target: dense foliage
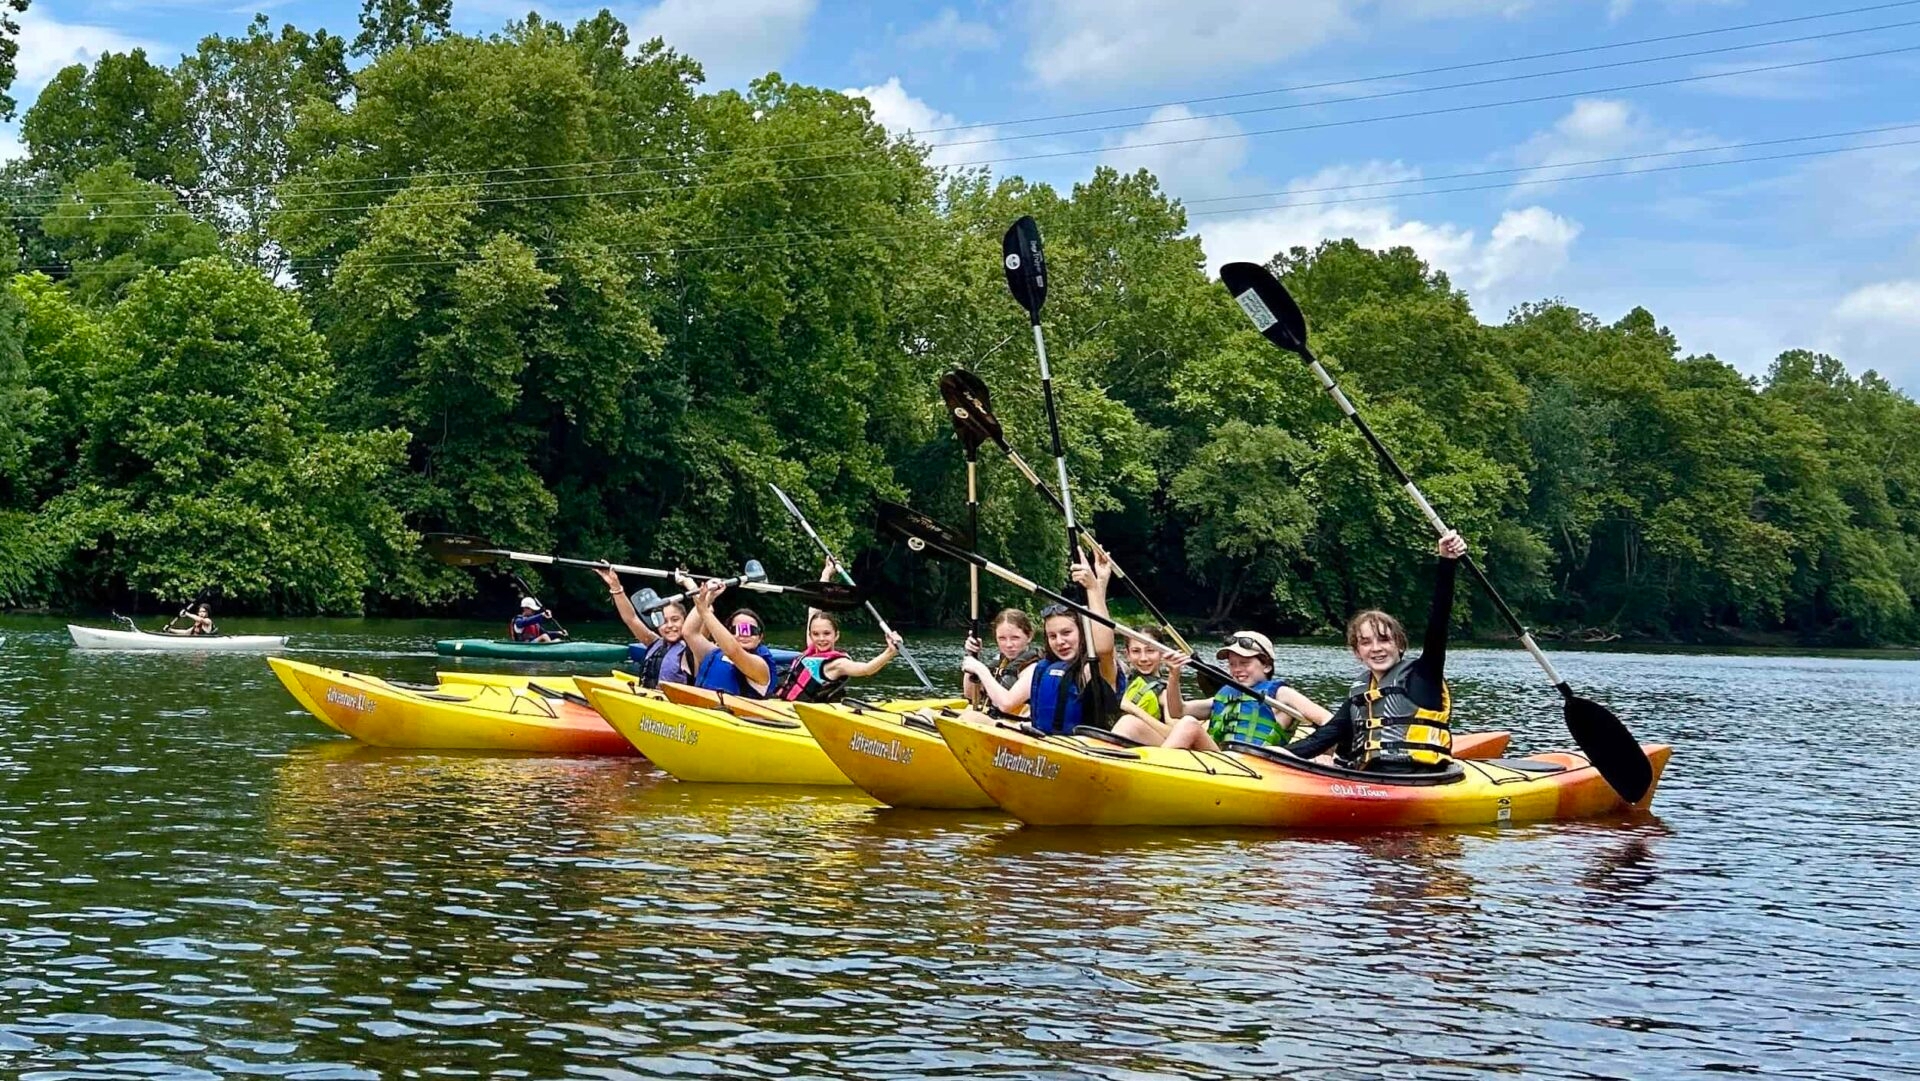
{"x": 273, "y": 315}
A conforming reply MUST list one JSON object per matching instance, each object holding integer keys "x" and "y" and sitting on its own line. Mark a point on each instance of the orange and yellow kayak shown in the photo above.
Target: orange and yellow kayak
{"x": 902, "y": 760}
{"x": 1073, "y": 780}
{"x": 510, "y": 715}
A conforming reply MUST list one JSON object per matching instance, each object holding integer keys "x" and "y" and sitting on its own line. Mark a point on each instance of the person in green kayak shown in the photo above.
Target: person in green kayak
{"x": 530, "y": 625}
{"x": 729, "y": 656}
{"x": 1077, "y": 683}
{"x": 1231, "y": 714}
{"x": 662, "y": 656}
{"x": 820, "y": 674}
{"x": 1012, "y": 631}
{"x": 199, "y": 619}
{"x": 1398, "y": 715}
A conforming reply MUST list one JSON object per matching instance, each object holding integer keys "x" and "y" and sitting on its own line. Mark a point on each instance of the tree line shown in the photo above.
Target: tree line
{"x": 272, "y": 314}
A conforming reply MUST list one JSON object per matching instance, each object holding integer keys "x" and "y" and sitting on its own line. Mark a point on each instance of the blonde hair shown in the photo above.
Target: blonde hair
{"x": 1382, "y": 622}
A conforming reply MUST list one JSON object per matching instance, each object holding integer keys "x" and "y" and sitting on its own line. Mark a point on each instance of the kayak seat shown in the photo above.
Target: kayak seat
{"x": 920, "y": 721}
{"x": 1454, "y": 771}
{"x": 1090, "y": 732}
{"x": 1526, "y": 765}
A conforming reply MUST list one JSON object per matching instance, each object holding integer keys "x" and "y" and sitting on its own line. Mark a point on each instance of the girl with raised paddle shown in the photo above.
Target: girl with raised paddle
{"x": 662, "y": 656}
{"x": 731, "y": 656}
{"x": 821, "y": 673}
{"x": 1013, "y": 638}
{"x": 1078, "y": 682}
{"x": 1231, "y": 714}
{"x": 1397, "y": 716}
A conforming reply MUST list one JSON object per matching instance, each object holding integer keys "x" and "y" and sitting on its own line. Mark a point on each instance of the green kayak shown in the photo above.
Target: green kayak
{"x": 603, "y": 652}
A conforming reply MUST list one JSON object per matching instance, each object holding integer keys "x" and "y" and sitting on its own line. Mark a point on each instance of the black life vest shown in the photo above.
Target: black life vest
{"x": 1392, "y": 732}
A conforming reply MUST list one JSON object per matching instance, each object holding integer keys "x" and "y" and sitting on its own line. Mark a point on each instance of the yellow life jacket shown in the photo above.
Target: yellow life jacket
{"x": 1391, "y": 731}
{"x": 1145, "y": 693}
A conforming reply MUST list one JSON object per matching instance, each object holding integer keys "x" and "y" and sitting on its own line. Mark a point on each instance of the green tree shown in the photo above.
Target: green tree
{"x": 386, "y": 25}
{"x": 122, "y": 109}
{"x": 206, "y": 464}
{"x": 110, "y": 226}
{"x": 9, "y": 52}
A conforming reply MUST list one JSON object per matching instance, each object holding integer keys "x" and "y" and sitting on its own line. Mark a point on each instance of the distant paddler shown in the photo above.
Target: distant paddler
{"x": 199, "y": 619}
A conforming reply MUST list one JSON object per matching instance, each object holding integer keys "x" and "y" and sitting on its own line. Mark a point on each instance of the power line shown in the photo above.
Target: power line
{"x": 1317, "y": 126}
{"x": 798, "y": 237}
{"x": 305, "y": 185}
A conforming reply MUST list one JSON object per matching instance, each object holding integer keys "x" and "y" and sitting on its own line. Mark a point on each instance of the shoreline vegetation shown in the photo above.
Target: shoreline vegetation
{"x": 278, "y": 307}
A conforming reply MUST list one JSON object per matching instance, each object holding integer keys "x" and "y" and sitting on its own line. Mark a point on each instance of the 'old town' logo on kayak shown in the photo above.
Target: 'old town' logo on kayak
{"x": 356, "y": 701}
{"x": 1036, "y": 766}
{"x": 679, "y": 733}
{"x": 1361, "y": 791}
{"x": 892, "y": 750}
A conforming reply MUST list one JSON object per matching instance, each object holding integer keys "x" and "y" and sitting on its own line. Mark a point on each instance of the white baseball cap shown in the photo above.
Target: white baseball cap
{"x": 530, "y": 602}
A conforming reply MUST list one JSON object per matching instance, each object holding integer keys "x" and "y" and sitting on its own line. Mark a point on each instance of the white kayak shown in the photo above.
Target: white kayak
{"x": 101, "y": 638}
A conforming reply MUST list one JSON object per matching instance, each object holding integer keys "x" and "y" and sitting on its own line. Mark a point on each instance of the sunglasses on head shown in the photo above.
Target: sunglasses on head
{"x": 1052, "y": 610}
{"x": 1248, "y": 643}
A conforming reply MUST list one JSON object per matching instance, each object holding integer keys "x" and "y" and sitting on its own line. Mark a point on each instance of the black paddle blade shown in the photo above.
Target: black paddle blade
{"x": 832, "y": 596}
{"x": 1609, "y": 746}
{"x": 923, "y": 534}
{"x": 970, "y": 409}
{"x": 1268, "y": 304}
{"x": 647, "y": 603}
{"x": 1026, "y": 264}
{"x": 460, "y": 550}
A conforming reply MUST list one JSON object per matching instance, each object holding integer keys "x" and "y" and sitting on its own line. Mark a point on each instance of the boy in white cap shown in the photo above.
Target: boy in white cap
{"x": 527, "y": 626}
{"x": 1206, "y": 724}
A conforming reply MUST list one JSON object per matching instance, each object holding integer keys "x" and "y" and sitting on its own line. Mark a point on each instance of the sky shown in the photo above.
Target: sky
{"x": 1286, "y": 123}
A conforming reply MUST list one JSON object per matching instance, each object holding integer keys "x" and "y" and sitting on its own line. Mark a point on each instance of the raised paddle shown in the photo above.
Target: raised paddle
{"x": 462, "y": 550}
{"x": 831, "y": 596}
{"x": 841, "y": 568}
{"x": 970, "y": 406}
{"x": 1606, "y": 741}
{"x": 925, "y": 534}
{"x": 1026, "y": 266}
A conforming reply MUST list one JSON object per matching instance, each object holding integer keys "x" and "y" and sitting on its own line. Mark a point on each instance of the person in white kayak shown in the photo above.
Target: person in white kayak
{"x": 199, "y": 621}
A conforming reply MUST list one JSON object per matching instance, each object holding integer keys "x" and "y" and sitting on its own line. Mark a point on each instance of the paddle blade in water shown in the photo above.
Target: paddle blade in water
{"x": 970, "y": 409}
{"x": 1268, "y": 304}
{"x": 1026, "y": 264}
{"x": 460, "y": 550}
{"x": 923, "y": 534}
{"x": 1609, "y": 746}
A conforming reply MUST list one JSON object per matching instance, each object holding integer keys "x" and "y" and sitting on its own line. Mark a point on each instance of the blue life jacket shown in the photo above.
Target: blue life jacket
{"x": 717, "y": 673}
{"x": 1054, "y": 702}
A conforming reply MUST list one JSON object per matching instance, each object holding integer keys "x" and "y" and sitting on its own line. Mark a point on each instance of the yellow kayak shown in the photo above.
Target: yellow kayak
{"x": 1072, "y": 780}
{"x": 456, "y": 716}
{"x": 710, "y": 745}
{"x": 898, "y": 759}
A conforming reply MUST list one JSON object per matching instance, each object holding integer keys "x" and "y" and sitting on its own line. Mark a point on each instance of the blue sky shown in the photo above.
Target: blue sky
{"x": 1740, "y": 259}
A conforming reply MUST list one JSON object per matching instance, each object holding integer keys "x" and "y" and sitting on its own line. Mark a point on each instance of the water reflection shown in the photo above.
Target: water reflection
{"x": 199, "y": 880}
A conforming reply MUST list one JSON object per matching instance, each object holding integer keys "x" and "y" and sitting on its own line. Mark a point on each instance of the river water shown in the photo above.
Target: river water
{"x": 199, "y": 880}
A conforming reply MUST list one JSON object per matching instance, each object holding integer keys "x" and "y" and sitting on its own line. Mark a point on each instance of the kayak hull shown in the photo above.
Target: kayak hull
{"x": 1062, "y": 781}
{"x": 711, "y": 746}
{"x": 463, "y": 717}
{"x": 596, "y": 652}
{"x": 892, "y": 759}
{"x": 102, "y": 638}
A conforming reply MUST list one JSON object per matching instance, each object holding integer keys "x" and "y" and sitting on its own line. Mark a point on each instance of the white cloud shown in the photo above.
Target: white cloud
{"x": 1887, "y": 304}
{"x": 1596, "y": 128}
{"x": 1110, "y": 43}
{"x": 903, "y": 114}
{"x": 735, "y": 40}
{"x": 1114, "y": 41}
{"x": 948, "y": 31}
{"x": 10, "y": 145}
{"x": 1190, "y": 171}
{"x": 47, "y": 45}
{"x": 1522, "y": 250}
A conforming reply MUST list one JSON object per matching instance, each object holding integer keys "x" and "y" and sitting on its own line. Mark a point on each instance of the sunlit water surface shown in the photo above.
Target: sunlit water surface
{"x": 197, "y": 879}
